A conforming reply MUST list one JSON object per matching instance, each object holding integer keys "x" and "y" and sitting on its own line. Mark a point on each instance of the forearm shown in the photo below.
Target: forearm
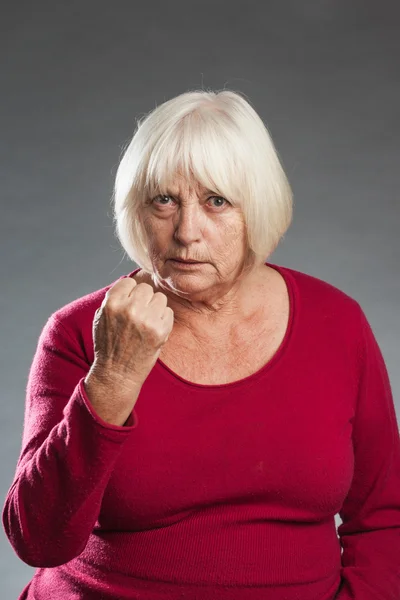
{"x": 55, "y": 499}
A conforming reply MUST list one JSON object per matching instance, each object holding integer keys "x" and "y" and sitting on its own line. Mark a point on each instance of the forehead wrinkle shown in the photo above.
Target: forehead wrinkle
{"x": 177, "y": 191}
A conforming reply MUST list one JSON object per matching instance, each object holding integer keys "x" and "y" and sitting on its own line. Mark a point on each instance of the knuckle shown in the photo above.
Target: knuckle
{"x": 160, "y": 295}
{"x": 144, "y": 286}
{"x": 112, "y": 304}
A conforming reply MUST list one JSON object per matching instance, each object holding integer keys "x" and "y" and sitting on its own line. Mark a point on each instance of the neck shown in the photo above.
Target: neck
{"x": 220, "y": 311}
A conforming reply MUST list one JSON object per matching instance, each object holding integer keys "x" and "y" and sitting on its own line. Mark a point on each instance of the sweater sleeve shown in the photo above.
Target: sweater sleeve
{"x": 370, "y": 529}
{"x": 67, "y": 457}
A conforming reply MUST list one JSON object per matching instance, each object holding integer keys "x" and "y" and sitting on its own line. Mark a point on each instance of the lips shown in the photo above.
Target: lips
{"x": 190, "y": 262}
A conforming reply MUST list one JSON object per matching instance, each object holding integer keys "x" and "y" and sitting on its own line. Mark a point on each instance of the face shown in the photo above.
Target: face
{"x": 191, "y": 222}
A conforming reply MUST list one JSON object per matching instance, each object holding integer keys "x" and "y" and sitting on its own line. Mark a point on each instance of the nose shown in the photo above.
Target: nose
{"x": 189, "y": 224}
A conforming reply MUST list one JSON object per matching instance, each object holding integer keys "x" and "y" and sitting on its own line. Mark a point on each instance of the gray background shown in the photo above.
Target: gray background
{"x": 323, "y": 75}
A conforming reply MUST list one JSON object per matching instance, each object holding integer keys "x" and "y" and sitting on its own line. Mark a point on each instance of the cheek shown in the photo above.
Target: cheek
{"x": 233, "y": 234}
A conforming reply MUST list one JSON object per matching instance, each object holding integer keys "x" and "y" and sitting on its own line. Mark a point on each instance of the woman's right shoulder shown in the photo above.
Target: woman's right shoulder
{"x": 77, "y": 315}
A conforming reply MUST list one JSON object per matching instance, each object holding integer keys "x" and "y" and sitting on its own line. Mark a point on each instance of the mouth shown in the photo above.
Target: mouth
{"x": 187, "y": 262}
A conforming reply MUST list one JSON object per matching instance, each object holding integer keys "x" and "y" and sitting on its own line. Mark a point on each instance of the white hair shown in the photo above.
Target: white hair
{"x": 218, "y": 139}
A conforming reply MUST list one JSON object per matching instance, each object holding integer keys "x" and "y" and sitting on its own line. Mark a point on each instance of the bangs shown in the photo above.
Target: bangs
{"x": 201, "y": 149}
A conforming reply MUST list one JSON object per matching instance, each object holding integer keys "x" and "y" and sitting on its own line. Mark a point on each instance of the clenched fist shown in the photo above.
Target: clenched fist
{"x": 129, "y": 330}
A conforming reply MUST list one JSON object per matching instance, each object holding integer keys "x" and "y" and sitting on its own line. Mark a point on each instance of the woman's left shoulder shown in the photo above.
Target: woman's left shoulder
{"x": 323, "y": 291}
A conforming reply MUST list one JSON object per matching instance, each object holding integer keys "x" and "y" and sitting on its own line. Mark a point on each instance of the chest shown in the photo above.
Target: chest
{"x": 216, "y": 363}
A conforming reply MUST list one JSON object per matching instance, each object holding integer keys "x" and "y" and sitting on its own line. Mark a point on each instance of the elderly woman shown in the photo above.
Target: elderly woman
{"x": 192, "y": 429}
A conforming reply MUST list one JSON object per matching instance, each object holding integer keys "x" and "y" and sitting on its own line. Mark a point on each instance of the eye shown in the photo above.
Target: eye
{"x": 162, "y": 196}
{"x": 166, "y": 197}
{"x": 219, "y": 198}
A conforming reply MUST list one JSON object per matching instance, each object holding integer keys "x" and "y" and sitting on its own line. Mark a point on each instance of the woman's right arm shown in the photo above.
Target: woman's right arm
{"x": 67, "y": 457}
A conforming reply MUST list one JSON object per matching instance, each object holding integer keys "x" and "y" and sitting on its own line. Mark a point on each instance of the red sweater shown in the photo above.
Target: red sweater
{"x": 214, "y": 492}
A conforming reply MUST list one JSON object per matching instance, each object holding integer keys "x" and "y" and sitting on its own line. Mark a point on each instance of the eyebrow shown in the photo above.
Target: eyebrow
{"x": 177, "y": 192}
